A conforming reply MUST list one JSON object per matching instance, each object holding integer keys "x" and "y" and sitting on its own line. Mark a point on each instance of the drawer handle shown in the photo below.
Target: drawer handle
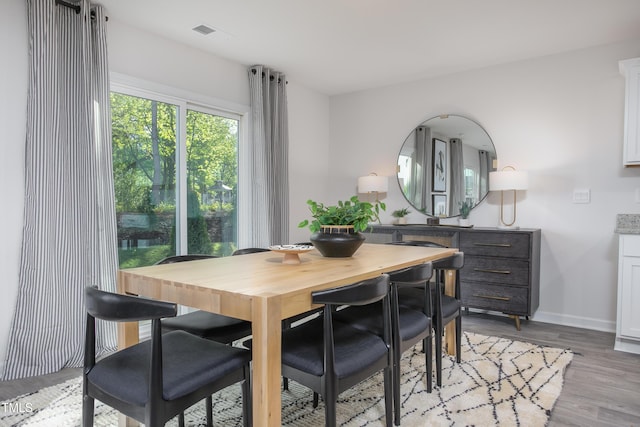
{"x": 485, "y": 270}
{"x": 492, "y": 297}
{"x": 494, "y": 245}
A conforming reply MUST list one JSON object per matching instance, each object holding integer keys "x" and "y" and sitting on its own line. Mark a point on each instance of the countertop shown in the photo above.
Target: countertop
{"x": 628, "y": 224}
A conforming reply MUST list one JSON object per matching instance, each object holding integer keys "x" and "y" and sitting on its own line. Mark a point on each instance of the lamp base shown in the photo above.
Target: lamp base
{"x": 502, "y": 226}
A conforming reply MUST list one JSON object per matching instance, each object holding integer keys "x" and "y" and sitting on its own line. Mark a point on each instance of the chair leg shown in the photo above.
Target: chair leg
{"x": 330, "y": 409}
{"x": 395, "y": 381}
{"x": 286, "y": 324}
{"x": 247, "y": 409}
{"x": 209, "y": 410}
{"x": 181, "y": 419}
{"x": 439, "y": 355}
{"x": 429, "y": 365}
{"x": 458, "y": 337}
{"x": 87, "y": 411}
{"x": 388, "y": 400}
{"x": 315, "y": 399}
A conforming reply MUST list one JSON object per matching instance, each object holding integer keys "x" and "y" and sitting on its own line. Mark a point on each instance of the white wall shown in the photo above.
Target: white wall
{"x": 308, "y": 154}
{"x": 560, "y": 118}
{"x": 139, "y": 55}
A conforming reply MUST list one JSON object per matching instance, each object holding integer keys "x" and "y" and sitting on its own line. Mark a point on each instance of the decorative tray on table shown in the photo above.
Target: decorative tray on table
{"x": 291, "y": 252}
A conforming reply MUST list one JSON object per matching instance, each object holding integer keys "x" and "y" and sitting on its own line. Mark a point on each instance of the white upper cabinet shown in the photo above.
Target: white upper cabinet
{"x": 630, "y": 68}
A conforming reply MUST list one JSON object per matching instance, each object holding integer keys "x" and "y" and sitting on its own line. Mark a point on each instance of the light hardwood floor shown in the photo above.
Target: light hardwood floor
{"x": 602, "y": 386}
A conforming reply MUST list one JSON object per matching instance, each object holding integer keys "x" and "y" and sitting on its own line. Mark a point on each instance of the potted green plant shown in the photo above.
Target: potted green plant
{"x": 465, "y": 209}
{"x": 336, "y": 228}
{"x": 400, "y": 214}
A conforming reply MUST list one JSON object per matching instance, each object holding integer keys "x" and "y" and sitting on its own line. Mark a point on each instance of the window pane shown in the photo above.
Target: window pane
{"x": 144, "y": 168}
{"x": 212, "y": 178}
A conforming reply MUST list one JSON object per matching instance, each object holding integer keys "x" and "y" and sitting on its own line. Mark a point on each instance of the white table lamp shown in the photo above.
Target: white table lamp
{"x": 373, "y": 183}
{"x": 508, "y": 179}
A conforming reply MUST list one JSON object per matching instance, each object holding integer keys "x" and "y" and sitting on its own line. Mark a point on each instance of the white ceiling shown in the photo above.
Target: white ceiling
{"x": 340, "y": 46}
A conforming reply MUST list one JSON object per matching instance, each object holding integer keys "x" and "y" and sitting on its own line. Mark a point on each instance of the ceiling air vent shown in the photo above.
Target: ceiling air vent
{"x": 204, "y": 29}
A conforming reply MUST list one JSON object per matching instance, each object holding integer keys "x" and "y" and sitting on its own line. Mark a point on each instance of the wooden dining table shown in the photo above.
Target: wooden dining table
{"x": 262, "y": 289}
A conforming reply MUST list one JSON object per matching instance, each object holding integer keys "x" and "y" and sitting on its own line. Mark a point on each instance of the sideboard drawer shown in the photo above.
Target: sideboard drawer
{"x": 510, "y": 245}
{"x": 496, "y": 270}
{"x": 508, "y": 299}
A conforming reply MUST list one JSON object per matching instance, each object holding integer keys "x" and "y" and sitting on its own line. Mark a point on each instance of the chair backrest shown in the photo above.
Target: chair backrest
{"x": 246, "y": 251}
{"x": 117, "y": 307}
{"x": 361, "y": 293}
{"x": 121, "y": 308}
{"x": 425, "y": 244}
{"x": 454, "y": 262}
{"x": 413, "y": 276}
{"x": 183, "y": 258}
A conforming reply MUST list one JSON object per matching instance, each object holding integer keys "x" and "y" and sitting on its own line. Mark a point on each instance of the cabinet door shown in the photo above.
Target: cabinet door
{"x": 630, "y": 298}
{"x": 631, "y": 70}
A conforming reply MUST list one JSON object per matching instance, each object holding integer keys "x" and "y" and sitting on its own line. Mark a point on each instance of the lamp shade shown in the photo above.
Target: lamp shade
{"x": 508, "y": 180}
{"x": 373, "y": 184}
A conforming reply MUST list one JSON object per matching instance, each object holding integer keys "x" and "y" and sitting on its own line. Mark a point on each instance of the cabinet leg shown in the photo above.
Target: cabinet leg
{"x": 517, "y": 320}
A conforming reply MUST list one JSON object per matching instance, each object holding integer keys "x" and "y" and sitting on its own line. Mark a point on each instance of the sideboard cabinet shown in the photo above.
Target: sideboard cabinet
{"x": 501, "y": 270}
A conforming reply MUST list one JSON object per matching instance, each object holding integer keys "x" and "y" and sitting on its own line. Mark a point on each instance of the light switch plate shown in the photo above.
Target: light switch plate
{"x": 581, "y": 195}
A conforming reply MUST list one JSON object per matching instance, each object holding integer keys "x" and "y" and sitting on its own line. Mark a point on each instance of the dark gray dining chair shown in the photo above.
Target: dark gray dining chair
{"x": 210, "y": 326}
{"x": 409, "y": 326}
{"x": 330, "y": 357}
{"x": 446, "y": 307}
{"x": 155, "y": 380}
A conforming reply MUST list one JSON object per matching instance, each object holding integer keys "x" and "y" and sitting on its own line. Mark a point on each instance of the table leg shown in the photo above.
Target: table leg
{"x": 266, "y": 352}
{"x": 450, "y": 328}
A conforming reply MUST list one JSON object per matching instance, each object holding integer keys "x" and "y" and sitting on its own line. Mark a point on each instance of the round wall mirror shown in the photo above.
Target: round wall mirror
{"x": 444, "y": 162}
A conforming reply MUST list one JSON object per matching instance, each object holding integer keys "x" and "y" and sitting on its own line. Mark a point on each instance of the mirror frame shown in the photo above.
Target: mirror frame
{"x": 434, "y": 136}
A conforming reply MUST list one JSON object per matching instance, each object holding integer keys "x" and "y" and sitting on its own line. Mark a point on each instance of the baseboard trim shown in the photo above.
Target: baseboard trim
{"x": 565, "y": 320}
{"x": 629, "y": 346}
{"x": 575, "y": 321}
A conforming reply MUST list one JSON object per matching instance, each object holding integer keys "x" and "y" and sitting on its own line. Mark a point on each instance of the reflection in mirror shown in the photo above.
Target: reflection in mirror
{"x": 443, "y": 162}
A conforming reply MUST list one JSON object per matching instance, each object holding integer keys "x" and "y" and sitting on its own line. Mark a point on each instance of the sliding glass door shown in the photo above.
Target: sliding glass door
{"x": 175, "y": 169}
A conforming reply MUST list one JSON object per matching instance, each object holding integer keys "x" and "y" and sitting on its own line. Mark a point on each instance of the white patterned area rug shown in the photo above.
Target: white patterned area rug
{"x": 498, "y": 382}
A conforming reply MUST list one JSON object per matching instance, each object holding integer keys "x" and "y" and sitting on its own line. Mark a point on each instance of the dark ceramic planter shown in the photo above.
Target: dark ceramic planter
{"x": 337, "y": 241}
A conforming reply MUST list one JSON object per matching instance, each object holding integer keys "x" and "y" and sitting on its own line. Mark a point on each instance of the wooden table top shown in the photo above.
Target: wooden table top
{"x": 206, "y": 284}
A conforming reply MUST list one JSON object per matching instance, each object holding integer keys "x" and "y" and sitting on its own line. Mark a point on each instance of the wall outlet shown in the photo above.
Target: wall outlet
{"x": 582, "y": 195}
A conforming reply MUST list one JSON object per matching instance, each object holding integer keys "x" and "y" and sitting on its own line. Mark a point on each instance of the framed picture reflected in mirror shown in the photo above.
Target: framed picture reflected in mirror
{"x": 439, "y": 165}
{"x": 440, "y": 205}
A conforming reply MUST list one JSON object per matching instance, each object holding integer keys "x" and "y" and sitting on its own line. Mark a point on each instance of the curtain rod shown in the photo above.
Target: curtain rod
{"x": 271, "y": 77}
{"x": 77, "y": 8}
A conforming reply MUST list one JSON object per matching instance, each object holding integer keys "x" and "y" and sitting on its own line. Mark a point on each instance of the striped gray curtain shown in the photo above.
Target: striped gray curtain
{"x": 421, "y": 171}
{"x": 485, "y": 167}
{"x": 457, "y": 193}
{"x": 69, "y": 236}
{"x": 269, "y": 158}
